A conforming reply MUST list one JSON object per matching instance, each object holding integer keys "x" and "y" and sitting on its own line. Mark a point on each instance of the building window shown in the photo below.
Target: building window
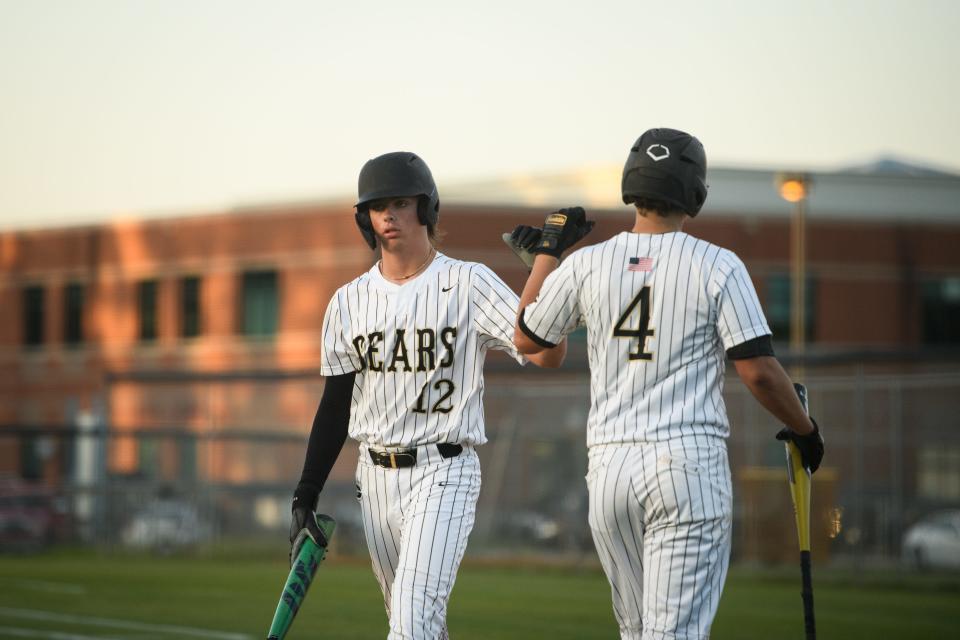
{"x": 259, "y": 303}
{"x": 73, "y": 314}
{"x": 941, "y": 311}
{"x": 33, "y": 316}
{"x": 938, "y": 472}
{"x": 777, "y": 307}
{"x": 148, "y": 456}
{"x": 190, "y": 307}
{"x": 31, "y": 464}
{"x": 147, "y": 309}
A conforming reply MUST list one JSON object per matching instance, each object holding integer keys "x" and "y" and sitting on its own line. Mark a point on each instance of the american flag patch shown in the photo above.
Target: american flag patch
{"x": 640, "y": 264}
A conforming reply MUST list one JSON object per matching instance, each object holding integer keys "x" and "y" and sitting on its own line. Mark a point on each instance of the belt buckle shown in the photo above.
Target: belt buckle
{"x": 396, "y": 459}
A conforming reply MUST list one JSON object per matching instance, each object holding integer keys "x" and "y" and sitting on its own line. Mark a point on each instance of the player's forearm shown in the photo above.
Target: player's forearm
{"x": 773, "y": 389}
{"x": 328, "y": 433}
{"x": 549, "y": 358}
{"x": 543, "y": 266}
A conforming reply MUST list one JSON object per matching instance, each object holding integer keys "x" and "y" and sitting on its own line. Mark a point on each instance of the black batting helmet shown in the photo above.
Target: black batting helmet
{"x": 667, "y": 165}
{"x": 395, "y": 175}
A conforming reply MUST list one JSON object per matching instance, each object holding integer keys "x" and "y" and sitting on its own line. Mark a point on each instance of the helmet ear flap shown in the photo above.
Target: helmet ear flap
{"x": 362, "y": 216}
{"x": 700, "y": 196}
{"x": 422, "y": 213}
{"x": 428, "y": 210}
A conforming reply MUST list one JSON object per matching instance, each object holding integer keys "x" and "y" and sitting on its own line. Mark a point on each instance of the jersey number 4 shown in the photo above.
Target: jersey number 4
{"x": 642, "y": 332}
{"x": 446, "y": 387}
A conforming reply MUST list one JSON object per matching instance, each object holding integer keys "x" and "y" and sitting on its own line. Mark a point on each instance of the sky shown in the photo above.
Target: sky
{"x": 143, "y": 107}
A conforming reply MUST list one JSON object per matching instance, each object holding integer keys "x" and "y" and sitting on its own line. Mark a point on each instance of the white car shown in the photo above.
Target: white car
{"x": 165, "y": 525}
{"x": 934, "y": 541}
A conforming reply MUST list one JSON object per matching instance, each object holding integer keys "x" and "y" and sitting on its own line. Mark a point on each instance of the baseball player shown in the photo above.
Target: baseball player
{"x": 662, "y": 310}
{"x": 403, "y": 352}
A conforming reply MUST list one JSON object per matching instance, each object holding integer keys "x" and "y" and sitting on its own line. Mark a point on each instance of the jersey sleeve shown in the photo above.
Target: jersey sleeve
{"x": 338, "y": 357}
{"x": 494, "y": 310}
{"x": 556, "y": 311}
{"x": 739, "y": 314}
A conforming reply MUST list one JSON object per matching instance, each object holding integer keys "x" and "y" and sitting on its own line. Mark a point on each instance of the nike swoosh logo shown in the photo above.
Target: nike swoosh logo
{"x": 448, "y": 288}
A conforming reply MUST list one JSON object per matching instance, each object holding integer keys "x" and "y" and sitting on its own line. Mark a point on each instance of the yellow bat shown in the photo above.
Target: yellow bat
{"x": 799, "y": 477}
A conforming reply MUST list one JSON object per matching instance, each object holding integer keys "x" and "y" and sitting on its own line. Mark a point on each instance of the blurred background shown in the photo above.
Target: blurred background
{"x": 176, "y": 211}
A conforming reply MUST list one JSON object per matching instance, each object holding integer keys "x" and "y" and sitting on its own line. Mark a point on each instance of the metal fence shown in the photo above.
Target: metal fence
{"x": 893, "y": 455}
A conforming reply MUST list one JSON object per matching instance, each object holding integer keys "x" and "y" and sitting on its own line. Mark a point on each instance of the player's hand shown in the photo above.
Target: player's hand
{"x": 810, "y": 445}
{"x": 561, "y": 230}
{"x": 521, "y": 241}
{"x": 303, "y": 526}
{"x": 303, "y": 523}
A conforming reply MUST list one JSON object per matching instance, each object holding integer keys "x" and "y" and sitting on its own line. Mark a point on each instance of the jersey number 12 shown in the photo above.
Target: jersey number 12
{"x": 446, "y": 387}
{"x": 642, "y": 332}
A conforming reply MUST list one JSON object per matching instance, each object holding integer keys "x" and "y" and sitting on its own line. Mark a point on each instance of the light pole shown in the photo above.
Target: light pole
{"x": 795, "y": 187}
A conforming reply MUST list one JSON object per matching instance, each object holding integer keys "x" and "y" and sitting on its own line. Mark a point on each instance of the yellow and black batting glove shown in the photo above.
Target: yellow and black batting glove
{"x": 561, "y": 230}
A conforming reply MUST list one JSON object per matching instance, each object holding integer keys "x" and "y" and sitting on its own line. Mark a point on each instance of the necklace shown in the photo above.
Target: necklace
{"x": 410, "y": 275}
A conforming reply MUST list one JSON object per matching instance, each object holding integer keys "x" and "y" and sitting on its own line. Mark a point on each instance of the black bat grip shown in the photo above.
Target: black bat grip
{"x": 809, "y": 624}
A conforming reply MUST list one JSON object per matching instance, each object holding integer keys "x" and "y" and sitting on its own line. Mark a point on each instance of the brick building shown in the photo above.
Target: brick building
{"x": 178, "y": 323}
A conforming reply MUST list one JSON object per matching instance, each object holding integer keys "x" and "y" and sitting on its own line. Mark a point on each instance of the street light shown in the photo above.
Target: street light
{"x": 794, "y": 188}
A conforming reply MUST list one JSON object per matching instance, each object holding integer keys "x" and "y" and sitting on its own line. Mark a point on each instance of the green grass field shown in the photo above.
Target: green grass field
{"x": 82, "y": 596}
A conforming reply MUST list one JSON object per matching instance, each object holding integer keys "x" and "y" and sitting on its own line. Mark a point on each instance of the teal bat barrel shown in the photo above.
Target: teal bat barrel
{"x": 301, "y": 575}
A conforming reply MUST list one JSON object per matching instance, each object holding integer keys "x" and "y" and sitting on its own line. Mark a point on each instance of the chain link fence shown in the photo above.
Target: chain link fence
{"x": 218, "y": 459}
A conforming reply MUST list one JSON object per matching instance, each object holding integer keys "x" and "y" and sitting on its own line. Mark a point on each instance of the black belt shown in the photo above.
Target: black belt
{"x": 408, "y": 457}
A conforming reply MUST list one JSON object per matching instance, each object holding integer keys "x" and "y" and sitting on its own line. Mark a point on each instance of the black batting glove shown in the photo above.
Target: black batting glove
{"x": 525, "y": 236}
{"x": 561, "y": 230}
{"x": 810, "y": 445}
{"x": 303, "y": 523}
{"x": 521, "y": 241}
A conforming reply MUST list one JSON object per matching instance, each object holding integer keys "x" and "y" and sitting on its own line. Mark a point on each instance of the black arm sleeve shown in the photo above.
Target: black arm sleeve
{"x": 759, "y": 346}
{"x": 327, "y": 436}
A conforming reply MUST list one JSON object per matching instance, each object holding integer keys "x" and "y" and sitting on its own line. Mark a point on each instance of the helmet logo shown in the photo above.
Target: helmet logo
{"x": 658, "y": 152}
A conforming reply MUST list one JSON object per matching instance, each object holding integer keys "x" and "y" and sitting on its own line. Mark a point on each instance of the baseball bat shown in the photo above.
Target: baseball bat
{"x": 298, "y": 581}
{"x": 799, "y": 478}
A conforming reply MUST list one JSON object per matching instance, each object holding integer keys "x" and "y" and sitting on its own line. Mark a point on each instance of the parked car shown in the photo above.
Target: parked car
{"x": 527, "y": 527}
{"x": 934, "y": 541}
{"x": 165, "y": 525}
{"x": 32, "y": 516}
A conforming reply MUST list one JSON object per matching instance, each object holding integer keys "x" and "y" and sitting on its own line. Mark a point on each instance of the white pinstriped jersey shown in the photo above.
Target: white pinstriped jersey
{"x": 660, "y": 311}
{"x": 418, "y": 350}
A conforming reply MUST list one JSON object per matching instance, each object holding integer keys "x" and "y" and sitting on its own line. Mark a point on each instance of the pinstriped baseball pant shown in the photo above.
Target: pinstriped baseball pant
{"x": 416, "y": 521}
{"x": 660, "y": 514}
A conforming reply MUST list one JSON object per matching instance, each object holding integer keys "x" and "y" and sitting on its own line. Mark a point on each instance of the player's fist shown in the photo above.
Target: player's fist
{"x": 303, "y": 521}
{"x": 525, "y": 236}
{"x": 810, "y": 445}
{"x": 521, "y": 241}
{"x": 304, "y": 525}
{"x": 561, "y": 230}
